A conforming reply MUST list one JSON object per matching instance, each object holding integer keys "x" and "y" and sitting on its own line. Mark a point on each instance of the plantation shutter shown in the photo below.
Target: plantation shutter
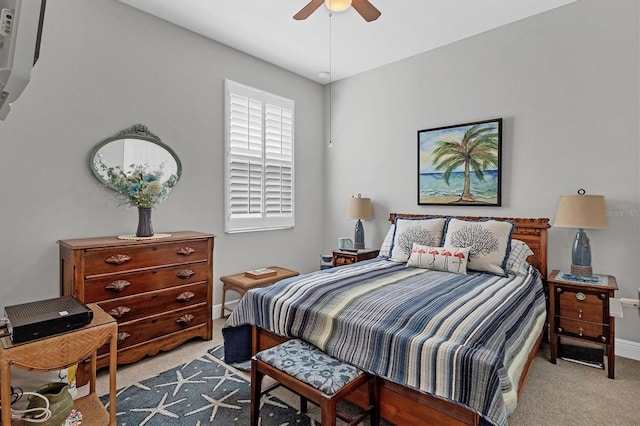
{"x": 259, "y": 139}
{"x": 245, "y": 156}
{"x": 278, "y": 160}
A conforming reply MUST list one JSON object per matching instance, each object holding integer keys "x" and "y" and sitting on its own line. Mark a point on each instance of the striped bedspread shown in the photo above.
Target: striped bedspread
{"x": 449, "y": 335}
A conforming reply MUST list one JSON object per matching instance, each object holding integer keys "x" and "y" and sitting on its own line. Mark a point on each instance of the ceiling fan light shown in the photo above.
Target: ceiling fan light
{"x": 337, "y": 5}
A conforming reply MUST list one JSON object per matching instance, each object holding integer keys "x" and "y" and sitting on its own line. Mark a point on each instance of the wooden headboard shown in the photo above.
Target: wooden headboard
{"x": 532, "y": 231}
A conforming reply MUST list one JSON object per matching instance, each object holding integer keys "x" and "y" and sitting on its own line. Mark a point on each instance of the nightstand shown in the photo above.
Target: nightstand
{"x": 581, "y": 311}
{"x": 344, "y": 257}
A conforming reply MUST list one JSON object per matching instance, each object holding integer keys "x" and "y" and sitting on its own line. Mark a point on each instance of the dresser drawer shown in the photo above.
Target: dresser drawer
{"x": 587, "y": 330}
{"x": 134, "y": 307}
{"x": 119, "y": 259}
{"x": 581, "y": 306}
{"x": 120, "y": 285}
{"x": 145, "y": 329}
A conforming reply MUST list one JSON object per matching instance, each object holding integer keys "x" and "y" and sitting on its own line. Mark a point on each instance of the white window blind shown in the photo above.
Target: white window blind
{"x": 259, "y": 173}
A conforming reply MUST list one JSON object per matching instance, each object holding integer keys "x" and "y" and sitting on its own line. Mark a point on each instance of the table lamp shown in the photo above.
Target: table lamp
{"x": 359, "y": 208}
{"x": 583, "y": 212}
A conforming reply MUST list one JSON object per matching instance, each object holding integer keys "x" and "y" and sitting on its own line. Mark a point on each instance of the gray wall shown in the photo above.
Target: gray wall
{"x": 103, "y": 67}
{"x": 566, "y": 83}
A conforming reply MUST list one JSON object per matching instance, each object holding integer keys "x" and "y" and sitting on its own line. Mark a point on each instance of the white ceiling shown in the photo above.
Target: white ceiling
{"x": 266, "y": 29}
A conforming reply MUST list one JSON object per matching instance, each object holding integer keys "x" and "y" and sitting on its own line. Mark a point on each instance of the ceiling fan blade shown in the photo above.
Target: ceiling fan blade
{"x": 366, "y": 9}
{"x": 308, "y": 10}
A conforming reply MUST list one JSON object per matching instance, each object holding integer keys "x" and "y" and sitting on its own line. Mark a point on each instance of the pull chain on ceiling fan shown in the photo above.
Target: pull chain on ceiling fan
{"x": 363, "y": 7}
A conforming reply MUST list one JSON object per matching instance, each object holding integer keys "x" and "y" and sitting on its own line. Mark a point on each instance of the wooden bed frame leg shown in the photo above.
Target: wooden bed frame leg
{"x": 374, "y": 400}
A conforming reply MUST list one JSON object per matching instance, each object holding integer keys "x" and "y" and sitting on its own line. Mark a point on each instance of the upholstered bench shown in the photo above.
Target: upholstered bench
{"x": 314, "y": 376}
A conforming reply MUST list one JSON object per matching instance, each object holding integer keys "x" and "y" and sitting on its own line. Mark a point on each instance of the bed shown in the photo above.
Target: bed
{"x": 468, "y": 372}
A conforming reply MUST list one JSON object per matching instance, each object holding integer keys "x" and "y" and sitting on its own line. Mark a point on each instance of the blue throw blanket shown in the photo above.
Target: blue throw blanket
{"x": 445, "y": 334}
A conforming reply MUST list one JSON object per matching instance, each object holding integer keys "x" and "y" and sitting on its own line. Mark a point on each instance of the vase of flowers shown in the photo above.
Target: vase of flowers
{"x": 142, "y": 188}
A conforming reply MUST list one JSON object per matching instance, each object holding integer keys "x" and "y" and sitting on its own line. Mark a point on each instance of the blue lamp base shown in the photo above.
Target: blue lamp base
{"x": 358, "y": 237}
{"x": 581, "y": 255}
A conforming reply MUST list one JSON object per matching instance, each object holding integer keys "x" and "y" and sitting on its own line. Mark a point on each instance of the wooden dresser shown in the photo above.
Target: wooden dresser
{"x": 159, "y": 290}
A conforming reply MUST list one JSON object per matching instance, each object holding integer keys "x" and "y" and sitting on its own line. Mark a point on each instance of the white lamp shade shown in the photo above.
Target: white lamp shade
{"x": 581, "y": 211}
{"x": 359, "y": 208}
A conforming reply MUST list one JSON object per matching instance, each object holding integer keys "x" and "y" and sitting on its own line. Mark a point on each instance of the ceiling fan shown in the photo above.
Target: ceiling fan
{"x": 363, "y": 7}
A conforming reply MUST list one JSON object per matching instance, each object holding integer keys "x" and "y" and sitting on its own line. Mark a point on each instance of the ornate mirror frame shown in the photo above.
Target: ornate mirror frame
{"x": 137, "y": 132}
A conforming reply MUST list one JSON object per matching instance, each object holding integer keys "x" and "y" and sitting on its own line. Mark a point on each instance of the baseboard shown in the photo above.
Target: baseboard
{"x": 628, "y": 349}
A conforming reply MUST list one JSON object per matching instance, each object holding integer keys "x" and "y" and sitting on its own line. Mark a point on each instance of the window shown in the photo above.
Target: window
{"x": 259, "y": 172}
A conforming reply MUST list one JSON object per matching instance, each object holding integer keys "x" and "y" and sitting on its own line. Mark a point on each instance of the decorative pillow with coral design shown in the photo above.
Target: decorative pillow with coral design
{"x": 439, "y": 258}
{"x": 427, "y": 232}
{"x": 489, "y": 243}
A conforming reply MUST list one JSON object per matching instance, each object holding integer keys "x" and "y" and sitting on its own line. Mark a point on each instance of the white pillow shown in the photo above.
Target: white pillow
{"x": 517, "y": 261}
{"x": 385, "y": 249}
{"x": 489, "y": 242}
{"x": 439, "y": 258}
{"x": 427, "y": 232}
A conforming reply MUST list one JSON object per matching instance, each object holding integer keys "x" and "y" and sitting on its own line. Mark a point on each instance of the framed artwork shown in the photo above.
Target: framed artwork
{"x": 460, "y": 165}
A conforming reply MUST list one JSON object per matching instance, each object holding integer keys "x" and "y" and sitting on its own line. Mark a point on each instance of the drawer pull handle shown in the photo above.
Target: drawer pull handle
{"x": 560, "y": 330}
{"x": 118, "y": 259}
{"x": 603, "y": 339}
{"x": 580, "y": 331}
{"x": 558, "y": 290}
{"x": 119, "y": 311}
{"x": 579, "y": 313}
{"x": 118, "y": 285}
{"x": 186, "y": 273}
{"x": 122, "y": 336}
{"x": 185, "y": 319}
{"x": 186, "y": 251}
{"x": 185, "y": 297}
{"x": 580, "y": 296}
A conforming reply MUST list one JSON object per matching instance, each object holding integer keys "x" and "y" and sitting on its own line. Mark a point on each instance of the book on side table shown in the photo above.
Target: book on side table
{"x": 260, "y": 273}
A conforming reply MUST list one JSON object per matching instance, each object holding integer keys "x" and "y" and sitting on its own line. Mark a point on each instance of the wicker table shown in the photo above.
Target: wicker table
{"x": 62, "y": 350}
{"x": 241, "y": 283}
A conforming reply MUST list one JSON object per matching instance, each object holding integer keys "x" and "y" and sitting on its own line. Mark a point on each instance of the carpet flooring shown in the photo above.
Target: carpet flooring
{"x": 202, "y": 391}
{"x": 562, "y": 394}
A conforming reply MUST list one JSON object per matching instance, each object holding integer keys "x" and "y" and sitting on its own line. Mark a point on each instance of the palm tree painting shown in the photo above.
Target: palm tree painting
{"x": 460, "y": 165}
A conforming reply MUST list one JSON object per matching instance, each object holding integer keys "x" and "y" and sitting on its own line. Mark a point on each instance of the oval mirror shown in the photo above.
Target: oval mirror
{"x": 134, "y": 146}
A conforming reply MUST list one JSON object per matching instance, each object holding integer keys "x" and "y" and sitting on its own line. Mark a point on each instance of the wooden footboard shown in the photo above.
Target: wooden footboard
{"x": 404, "y": 406}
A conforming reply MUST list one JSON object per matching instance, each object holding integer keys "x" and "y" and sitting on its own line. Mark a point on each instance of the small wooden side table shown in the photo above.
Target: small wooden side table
{"x": 345, "y": 257}
{"x": 241, "y": 283}
{"x": 63, "y": 350}
{"x": 581, "y": 311}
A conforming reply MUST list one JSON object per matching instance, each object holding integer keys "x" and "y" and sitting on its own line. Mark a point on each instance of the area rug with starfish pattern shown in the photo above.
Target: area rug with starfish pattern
{"x": 203, "y": 391}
